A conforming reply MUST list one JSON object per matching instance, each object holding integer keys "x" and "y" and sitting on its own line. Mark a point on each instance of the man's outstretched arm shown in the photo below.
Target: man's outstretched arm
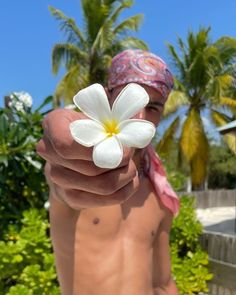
{"x": 163, "y": 283}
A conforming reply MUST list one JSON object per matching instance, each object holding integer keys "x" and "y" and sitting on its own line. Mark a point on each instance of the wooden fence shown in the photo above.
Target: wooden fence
{"x": 221, "y": 249}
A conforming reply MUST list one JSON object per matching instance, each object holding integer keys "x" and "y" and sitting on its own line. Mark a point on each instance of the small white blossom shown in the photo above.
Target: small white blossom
{"x": 25, "y": 98}
{"x": 108, "y": 130}
{"x": 20, "y": 101}
{"x": 19, "y": 106}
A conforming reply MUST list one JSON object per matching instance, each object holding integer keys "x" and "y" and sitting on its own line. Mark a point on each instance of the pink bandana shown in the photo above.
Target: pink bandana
{"x": 138, "y": 66}
{"x": 155, "y": 171}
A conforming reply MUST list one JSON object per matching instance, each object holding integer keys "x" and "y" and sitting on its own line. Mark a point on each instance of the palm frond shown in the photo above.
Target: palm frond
{"x": 226, "y": 81}
{"x": 177, "y": 61}
{"x": 227, "y": 48}
{"x": 221, "y": 84}
{"x": 68, "y": 25}
{"x": 182, "y": 45}
{"x": 164, "y": 145}
{"x": 104, "y": 38}
{"x": 67, "y": 54}
{"x": 73, "y": 81}
{"x": 117, "y": 11}
{"x": 197, "y": 71}
{"x": 198, "y": 167}
{"x": 132, "y": 42}
{"x": 194, "y": 146}
{"x": 220, "y": 120}
{"x": 131, "y": 23}
{"x": 109, "y": 2}
{"x": 193, "y": 138}
{"x": 228, "y": 101}
{"x": 95, "y": 15}
{"x": 175, "y": 100}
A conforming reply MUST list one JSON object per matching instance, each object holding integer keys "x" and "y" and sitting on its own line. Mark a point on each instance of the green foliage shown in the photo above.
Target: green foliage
{"x": 189, "y": 261}
{"x": 22, "y": 183}
{"x": 88, "y": 52}
{"x": 186, "y": 228}
{"x": 176, "y": 179}
{"x": 177, "y": 176}
{"x": 204, "y": 83}
{"x": 26, "y": 259}
{"x": 222, "y": 168}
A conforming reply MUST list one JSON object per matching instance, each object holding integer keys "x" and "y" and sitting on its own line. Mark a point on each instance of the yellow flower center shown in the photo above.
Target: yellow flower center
{"x": 111, "y": 127}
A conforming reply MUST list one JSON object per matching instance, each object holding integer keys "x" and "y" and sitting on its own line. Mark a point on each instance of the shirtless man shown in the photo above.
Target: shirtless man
{"x": 110, "y": 228}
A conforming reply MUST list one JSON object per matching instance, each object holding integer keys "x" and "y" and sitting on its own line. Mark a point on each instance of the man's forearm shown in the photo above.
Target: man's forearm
{"x": 169, "y": 289}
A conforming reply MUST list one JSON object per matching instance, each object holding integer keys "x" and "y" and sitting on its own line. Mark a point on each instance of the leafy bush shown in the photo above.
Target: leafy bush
{"x": 189, "y": 261}
{"x": 22, "y": 183}
{"x": 26, "y": 259}
{"x": 222, "y": 168}
{"x": 176, "y": 178}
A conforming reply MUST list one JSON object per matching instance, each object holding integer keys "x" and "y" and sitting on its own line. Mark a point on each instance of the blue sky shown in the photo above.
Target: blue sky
{"x": 28, "y": 33}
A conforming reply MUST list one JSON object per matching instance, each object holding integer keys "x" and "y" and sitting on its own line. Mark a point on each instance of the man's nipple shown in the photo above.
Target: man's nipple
{"x": 96, "y": 220}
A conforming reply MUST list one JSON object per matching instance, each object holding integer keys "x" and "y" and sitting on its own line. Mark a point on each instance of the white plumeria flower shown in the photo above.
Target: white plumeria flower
{"x": 111, "y": 129}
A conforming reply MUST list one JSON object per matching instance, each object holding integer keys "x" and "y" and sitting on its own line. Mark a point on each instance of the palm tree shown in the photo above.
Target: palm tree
{"x": 88, "y": 52}
{"x": 204, "y": 82}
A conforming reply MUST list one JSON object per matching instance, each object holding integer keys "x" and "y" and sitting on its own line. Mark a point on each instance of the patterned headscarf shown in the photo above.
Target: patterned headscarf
{"x": 139, "y": 66}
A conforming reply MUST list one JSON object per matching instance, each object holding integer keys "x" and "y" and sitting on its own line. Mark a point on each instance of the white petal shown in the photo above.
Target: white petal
{"x": 93, "y": 102}
{"x": 132, "y": 99}
{"x": 136, "y": 133}
{"x": 108, "y": 153}
{"x": 87, "y": 132}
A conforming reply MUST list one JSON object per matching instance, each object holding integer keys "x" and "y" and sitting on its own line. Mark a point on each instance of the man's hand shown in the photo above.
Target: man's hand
{"x": 71, "y": 173}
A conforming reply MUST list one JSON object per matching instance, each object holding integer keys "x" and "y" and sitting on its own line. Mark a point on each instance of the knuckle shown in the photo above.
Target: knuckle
{"x": 60, "y": 146}
{"x": 41, "y": 148}
{"x": 69, "y": 197}
{"x": 128, "y": 153}
{"x": 94, "y": 170}
{"x": 54, "y": 173}
{"x": 107, "y": 185}
{"x": 72, "y": 198}
{"x": 88, "y": 168}
{"x": 49, "y": 117}
{"x": 47, "y": 168}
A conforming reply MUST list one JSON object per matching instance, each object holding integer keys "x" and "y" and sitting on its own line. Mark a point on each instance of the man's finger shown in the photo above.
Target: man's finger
{"x": 104, "y": 184}
{"x": 82, "y": 200}
{"x": 56, "y": 128}
{"x": 45, "y": 149}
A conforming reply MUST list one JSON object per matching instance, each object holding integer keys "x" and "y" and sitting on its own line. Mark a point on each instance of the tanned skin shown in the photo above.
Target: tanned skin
{"x": 109, "y": 229}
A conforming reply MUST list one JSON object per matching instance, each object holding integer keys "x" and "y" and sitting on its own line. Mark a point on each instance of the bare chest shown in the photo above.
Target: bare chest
{"x": 137, "y": 219}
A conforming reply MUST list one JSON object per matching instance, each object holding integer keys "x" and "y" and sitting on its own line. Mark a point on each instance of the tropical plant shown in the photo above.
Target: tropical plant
{"x": 189, "y": 261}
{"x": 87, "y": 52}
{"x": 222, "y": 168}
{"x": 22, "y": 183}
{"x": 204, "y": 85}
{"x": 26, "y": 258}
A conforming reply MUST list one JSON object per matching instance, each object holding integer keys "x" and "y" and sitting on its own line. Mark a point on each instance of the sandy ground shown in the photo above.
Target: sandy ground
{"x": 219, "y": 219}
